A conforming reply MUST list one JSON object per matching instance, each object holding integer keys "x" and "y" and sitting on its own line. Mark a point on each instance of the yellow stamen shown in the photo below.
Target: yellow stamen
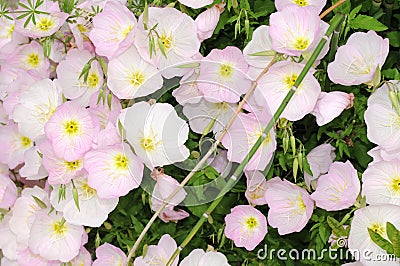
{"x": 71, "y": 127}
{"x": 25, "y": 142}
{"x": 300, "y": 2}
{"x": 92, "y": 80}
{"x": 226, "y": 70}
{"x": 136, "y": 78}
{"x": 33, "y": 60}
{"x": 301, "y": 43}
{"x": 121, "y": 162}
{"x": 45, "y": 23}
{"x": 73, "y": 166}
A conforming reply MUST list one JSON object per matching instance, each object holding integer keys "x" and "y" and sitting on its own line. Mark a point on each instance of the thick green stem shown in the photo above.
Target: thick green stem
{"x": 389, "y": 4}
{"x": 376, "y": 4}
{"x": 238, "y": 172}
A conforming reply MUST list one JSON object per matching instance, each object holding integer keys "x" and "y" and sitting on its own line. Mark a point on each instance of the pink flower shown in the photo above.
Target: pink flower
{"x": 130, "y": 76}
{"x": 188, "y": 91}
{"x": 207, "y": 21}
{"x": 164, "y": 187}
{"x": 13, "y": 145}
{"x": 280, "y": 78}
{"x": 196, "y": 3}
{"x": 158, "y": 255}
{"x": 317, "y": 4}
{"x": 330, "y": 105}
{"x": 246, "y": 226}
{"x": 382, "y": 119}
{"x": 109, "y": 255}
{"x": 6, "y": 30}
{"x": 223, "y": 75}
{"x": 320, "y": 159}
{"x": 200, "y": 258}
{"x": 256, "y": 186}
{"x": 45, "y": 24}
{"x": 290, "y": 206}
{"x": 53, "y": 238}
{"x": 381, "y": 183}
{"x": 113, "y": 29}
{"x": 113, "y": 170}
{"x": 8, "y": 192}
{"x": 68, "y": 72}
{"x": 338, "y": 189}
{"x": 357, "y": 61}
{"x": 71, "y": 131}
{"x": 243, "y": 135}
{"x": 295, "y": 30}
{"x": 178, "y": 34}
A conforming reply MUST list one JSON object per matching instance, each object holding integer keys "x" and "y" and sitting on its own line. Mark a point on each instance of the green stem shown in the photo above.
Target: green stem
{"x": 376, "y": 4}
{"x": 332, "y": 51}
{"x": 388, "y": 12}
{"x": 238, "y": 172}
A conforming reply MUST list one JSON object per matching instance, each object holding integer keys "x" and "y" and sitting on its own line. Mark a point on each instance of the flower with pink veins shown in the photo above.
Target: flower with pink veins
{"x": 199, "y": 257}
{"x": 93, "y": 211}
{"x": 176, "y": 32}
{"x": 60, "y": 171}
{"x": 164, "y": 187}
{"x": 130, "y": 76}
{"x": 320, "y": 159}
{"x": 30, "y": 57}
{"x": 6, "y": 30}
{"x": 8, "y": 192}
{"x": 223, "y": 75}
{"x": 113, "y": 170}
{"x": 338, "y": 189}
{"x": 71, "y": 130}
{"x": 381, "y": 183}
{"x": 246, "y": 226}
{"x": 196, "y": 3}
{"x": 158, "y": 255}
{"x": 256, "y": 186}
{"x": 372, "y": 217}
{"x": 357, "y": 61}
{"x": 13, "y": 145}
{"x": 241, "y": 137}
{"x": 207, "y": 21}
{"x": 280, "y": 78}
{"x": 290, "y": 206}
{"x": 330, "y": 105}
{"x": 45, "y": 23}
{"x": 68, "y": 73}
{"x": 317, "y": 4}
{"x": 53, "y": 238}
{"x": 295, "y": 30}
{"x": 203, "y": 114}
{"x": 258, "y": 53}
{"x": 109, "y": 255}
{"x": 113, "y": 29}
{"x": 382, "y": 118}
{"x": 156, "y": 133}
{"x": 36, "y": 105}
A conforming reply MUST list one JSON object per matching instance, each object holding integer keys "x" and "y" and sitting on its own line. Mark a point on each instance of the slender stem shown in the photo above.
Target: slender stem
{"x": 326, "y": 12}
{"x": 238, "y": 172}
{"x": 201, "y": 162}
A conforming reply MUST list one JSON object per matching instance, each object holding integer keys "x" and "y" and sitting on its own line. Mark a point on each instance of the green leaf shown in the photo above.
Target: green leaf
{"x": 394, "y": 236}
{"x": 343, "y": 8}
{"x": 394, "y": 38}
{"x": 337, "y": 228}
{"x": 39, "y": 202}
{"x": 354, "y": 12}
{"x": 380, "y": 241}
{"x": 367, "y": 23}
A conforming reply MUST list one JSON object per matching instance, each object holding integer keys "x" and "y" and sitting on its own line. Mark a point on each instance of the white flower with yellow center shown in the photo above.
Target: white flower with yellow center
{"x": 53, "y": 238}
{"x": 6, "y": 30}
{"x": 156, "y": 133}
{"x": 375, "y": 218}
{"x": 129, "y": 76}
{"x": 30, "y": 57}
{"x": 93, "y": 211}
{"x": 35, "y": 106}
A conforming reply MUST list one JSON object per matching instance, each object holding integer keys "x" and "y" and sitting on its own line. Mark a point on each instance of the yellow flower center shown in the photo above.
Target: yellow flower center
{"x": 136, "y": 78}
{"x": 72, "y": 166}
{"x": 166, "y": 41}
{"x": 71, "y": 127}
{"x": 301, "y": 43}
{"x": 378, "y": 228}
{"x": 226, "y": 70}
{"x": 92, "y": 80}
{"x": 81, "y": 28}
{"x": 121, "y": 162}
{"x": 251, "y": 222}
{"x": 59, "y": 228}
{"x": 301, "y": 2}
{"x": 25, "y": 142}
{"x": 395, "y": 184}
{"x": 33, "y": 60}
{"x": 290, "y": 80}
{"x": 148, "y": 144}
{"x": 45, "y": 23}
{"x": 88, "y": 191}
{"x": 126, "y": 31}
{"x": 300, "y": 204}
